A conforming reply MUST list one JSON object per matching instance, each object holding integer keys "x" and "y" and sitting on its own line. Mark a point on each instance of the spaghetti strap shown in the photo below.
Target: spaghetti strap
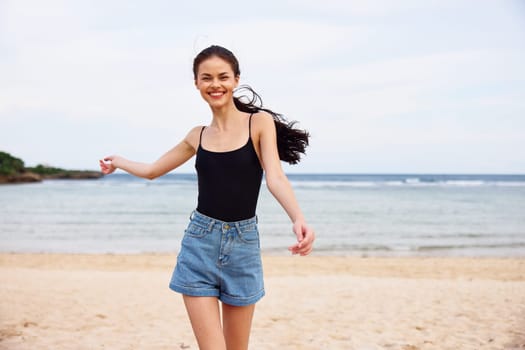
{"x": 200, "y": 137}
{"x": 250, "y": 126}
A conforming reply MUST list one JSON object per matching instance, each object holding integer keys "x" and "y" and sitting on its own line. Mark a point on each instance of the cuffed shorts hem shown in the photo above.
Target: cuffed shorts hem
{"x": 195, "y": 292}
{"x": 241, "y": 301}
{"x": 225, "y": 298}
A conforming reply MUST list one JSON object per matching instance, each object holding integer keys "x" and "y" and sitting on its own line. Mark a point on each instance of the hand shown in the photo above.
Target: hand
{"x": 305, "y": 239}
{"x": 106, "y": 165}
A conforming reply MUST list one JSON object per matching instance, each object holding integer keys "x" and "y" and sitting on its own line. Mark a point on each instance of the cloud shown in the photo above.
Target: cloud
{"x": 365, "y": 77}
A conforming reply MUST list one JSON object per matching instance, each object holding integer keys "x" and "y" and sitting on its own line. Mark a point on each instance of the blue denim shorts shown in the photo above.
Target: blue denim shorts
{"x": 220, "y": 259}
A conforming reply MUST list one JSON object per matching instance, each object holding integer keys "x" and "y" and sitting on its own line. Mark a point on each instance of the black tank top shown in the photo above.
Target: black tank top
{"x": 229, "y": 182}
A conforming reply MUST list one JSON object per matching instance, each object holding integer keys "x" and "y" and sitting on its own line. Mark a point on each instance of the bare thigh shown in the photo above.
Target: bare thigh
{"x": 206, "y": 322}
{"x": 237, "y": 323}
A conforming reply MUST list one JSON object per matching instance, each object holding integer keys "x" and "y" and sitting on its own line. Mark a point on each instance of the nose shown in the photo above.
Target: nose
{"x": 215, "y": 82}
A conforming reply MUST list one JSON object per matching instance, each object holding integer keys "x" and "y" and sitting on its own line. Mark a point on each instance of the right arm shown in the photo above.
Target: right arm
{"x": 172, "y": 159}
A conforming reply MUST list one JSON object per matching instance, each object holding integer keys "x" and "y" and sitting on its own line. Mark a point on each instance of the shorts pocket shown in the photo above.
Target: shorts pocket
{"x": 249, "y": 234}
{"x": 196, "y": 231}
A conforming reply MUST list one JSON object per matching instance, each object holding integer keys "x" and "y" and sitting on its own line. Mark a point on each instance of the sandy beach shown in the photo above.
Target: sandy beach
{"x": 61, "y": 301}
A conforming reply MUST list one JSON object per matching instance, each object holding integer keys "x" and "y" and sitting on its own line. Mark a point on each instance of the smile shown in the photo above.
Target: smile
{"x": 216, "y": 94}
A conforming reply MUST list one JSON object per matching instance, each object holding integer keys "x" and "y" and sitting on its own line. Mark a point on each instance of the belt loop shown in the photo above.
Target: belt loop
{"x": 192, "y": 215}
{"x": 210, "y": 226}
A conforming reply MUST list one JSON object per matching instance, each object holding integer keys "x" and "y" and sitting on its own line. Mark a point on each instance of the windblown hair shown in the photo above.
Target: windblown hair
{"x": 291, "y": 142}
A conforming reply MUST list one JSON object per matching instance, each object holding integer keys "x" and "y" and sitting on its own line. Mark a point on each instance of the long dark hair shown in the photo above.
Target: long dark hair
{"x": 291, "y": 142}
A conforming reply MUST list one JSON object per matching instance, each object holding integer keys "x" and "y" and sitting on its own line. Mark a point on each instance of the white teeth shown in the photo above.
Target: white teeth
{"x": 216, "y": 93}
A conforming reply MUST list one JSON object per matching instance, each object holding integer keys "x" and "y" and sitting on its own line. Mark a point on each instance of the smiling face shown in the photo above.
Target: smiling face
{"x": 216, "y": 81}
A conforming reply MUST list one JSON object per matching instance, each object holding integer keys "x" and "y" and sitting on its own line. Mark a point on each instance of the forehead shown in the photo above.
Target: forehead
{"x": 214, "y": 65}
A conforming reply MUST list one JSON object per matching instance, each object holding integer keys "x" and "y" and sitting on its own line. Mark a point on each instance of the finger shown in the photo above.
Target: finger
{"x": 307, "y": 250}
{"x": 304, "y": 250}
{"x": 294, "y": 250}
{"x": 307, "y": 241}
{"x": 309, "y": 237}
{"x": 294, "y": 247}
{"x": 306, "y": 253}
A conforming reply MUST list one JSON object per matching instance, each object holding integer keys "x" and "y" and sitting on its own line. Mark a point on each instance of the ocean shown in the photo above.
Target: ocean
{"x": 352, "y": 214}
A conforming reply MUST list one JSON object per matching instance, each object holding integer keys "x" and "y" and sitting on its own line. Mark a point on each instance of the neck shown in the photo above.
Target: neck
{"x": 224, "y": 116}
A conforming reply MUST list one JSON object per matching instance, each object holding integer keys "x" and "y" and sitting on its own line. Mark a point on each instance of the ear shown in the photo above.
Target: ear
{"x": 237, "y": 78}
{"x": 196, "y": 84}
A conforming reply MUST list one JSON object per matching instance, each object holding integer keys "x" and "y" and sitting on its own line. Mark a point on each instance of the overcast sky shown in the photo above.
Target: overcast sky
{"x": 383, "y": 86}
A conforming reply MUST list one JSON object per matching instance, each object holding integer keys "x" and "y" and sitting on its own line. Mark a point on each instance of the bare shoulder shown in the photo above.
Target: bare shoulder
{"x": 193, "y": 137}
{"x": 261, "y": 121}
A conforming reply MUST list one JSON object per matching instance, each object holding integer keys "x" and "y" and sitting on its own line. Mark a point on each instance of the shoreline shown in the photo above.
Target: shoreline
{"x": 122, "y": 301}
{"x": 281, "y": 251}
{"x": 499, "y": 268}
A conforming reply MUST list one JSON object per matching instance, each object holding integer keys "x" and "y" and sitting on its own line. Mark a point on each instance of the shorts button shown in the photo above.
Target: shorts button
{"x": 226, "y": 226}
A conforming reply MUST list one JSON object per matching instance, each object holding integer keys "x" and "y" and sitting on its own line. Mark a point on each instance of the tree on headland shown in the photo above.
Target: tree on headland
{"x": 10, "y": 165}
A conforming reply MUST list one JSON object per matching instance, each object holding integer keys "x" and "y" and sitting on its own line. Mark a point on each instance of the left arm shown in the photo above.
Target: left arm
{"x": 278, "y": 183}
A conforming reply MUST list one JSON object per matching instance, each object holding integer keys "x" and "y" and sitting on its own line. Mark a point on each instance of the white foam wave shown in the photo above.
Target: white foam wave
{"x": 412, "y": 183}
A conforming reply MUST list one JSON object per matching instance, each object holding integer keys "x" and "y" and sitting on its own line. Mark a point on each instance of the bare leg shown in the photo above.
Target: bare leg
{"x": 237, "y": 323}
{"x": 205, "y": 321}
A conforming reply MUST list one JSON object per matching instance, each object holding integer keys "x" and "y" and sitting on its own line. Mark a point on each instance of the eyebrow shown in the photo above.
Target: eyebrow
{"x": 209, "y": 75}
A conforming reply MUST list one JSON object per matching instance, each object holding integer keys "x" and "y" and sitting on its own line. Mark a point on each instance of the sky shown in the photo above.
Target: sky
{"x": 383, "y": 86}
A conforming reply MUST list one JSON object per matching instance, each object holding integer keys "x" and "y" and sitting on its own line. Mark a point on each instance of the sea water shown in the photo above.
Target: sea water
{"x": 466, "y": 215}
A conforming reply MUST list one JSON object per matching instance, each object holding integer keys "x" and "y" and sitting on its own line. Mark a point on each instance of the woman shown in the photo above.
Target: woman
{"x": 220, "y": 251}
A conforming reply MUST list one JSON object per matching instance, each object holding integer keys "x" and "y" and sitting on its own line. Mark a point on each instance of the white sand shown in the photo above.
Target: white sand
{"x": 54, "y": 301}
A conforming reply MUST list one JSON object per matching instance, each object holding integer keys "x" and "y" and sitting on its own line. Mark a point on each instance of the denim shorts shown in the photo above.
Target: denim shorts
{"x": 220, "y": 259}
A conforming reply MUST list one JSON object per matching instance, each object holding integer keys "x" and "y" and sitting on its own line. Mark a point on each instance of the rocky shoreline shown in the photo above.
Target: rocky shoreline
{"x": 29, "y": 177}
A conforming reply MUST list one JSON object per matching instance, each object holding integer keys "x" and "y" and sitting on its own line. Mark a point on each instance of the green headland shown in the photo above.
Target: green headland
{"x": 13, "y": 170}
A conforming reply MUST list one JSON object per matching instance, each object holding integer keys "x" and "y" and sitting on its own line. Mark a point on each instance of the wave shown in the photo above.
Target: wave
{"x": 410, "y": 183}
{"x": 341, "y": 180}
{"x": 511, "y": 245}
{"x": 501, "y": 250}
